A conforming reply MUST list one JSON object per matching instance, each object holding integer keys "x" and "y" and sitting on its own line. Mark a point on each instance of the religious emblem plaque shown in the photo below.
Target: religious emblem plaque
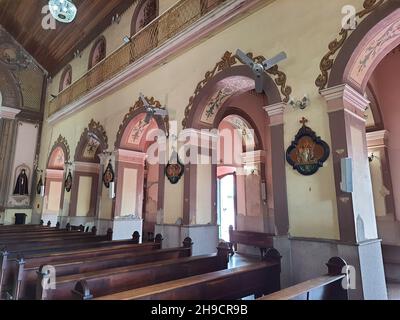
{"x": 308, "y": 152}
{"x": 108, "y": 175}
{"x": 68, "y": 182}
{"x": 174, "y": 169}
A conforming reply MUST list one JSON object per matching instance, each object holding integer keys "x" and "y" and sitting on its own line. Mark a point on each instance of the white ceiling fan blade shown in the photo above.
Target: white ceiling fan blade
{"x": 244, "y": 58}
{"x": 161, "y": 112}
{"x": 269, "y": 63}
{"x": 145, "y": 103}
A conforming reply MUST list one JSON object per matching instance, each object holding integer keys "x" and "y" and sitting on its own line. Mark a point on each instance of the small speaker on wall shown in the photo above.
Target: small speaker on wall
{"x": 346, "y": 184}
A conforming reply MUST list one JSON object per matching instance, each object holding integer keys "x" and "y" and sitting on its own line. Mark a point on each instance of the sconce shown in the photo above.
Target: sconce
{"x": 116, "y": 19}
{"x": 301, "y": 104}
{"x": 126, "y": 39}
{"x": 372, "y": 157}
{"x": 77, "y": 54}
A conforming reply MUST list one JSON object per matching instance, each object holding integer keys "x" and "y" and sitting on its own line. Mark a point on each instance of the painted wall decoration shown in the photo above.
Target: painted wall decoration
{"x": 66, "y": 78}
{"x": 91, "y": 148}
{"x": 174, "y": 169}
{"x": 98, "y": 52}
{"x": 146, "y": 14}
{"x": 308, "y": 152}
{"x": 108, "y": 175}
{"x": 68, "y": 182}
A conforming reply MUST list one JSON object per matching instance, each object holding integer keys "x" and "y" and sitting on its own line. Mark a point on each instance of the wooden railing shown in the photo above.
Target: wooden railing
{"x": 176, "y": 19}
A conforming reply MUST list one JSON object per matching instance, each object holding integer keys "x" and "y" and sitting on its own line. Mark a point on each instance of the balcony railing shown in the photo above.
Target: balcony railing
{"x": 176, "y": 19}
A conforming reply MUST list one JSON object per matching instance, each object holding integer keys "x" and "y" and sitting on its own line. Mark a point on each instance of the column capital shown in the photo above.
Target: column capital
{"x": 87, "y": 167}
{"x": 344, "y": 97}
{"x": 275, "y": 113}
{"x": 377, "y": 139}
{"x": 136, "y": 157}
{"x": 8, "y": 113}
{"x": 254, "y": 157}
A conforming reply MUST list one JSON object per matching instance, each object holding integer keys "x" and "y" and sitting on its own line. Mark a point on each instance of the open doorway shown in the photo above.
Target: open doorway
{"x": 226, "y": 205}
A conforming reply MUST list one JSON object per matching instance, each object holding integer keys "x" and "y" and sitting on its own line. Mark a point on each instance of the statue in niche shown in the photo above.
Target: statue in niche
{"x": 21, "y": 186}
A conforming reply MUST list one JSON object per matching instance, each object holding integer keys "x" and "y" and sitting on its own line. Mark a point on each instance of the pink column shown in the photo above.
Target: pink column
{"x": 356, "y": 213}
{"x": 276, "y": 182}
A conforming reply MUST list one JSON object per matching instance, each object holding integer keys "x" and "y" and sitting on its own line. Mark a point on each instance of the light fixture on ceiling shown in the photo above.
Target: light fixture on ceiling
{"x": 63, "y": 10}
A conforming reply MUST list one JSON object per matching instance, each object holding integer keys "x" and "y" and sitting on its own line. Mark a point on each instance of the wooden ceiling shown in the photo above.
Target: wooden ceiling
{"x": 53, "y": 49}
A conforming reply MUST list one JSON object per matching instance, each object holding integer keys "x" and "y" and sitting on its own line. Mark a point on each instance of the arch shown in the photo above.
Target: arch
{"x": 59, "y": 154}
{"x": 93, "y": 141}
{"x": 10, "y": 91}
{"x": 227, "y": 67}
{"x": 98, "y": 52}
{"x": 66, "y": 78}
{"x": 134, "y": 113}
{"x": 228, "y": 90}
{"x": 145, "y": 12}
{"x": 132, "y": 148}
{"x": 358, "y": 52}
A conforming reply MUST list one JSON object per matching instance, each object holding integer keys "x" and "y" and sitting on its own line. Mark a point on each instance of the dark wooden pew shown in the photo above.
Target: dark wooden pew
{"x": 328, "y": 287}
{"x": 25, "y": 280}
{"x": 263, "y": 241}
{"x": 258, "y": 279}
{"x": 123, "y": 278}
{"x": 69, "y": 250}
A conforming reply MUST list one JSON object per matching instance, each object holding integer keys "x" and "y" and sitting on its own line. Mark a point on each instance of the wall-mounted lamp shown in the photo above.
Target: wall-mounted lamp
{"x": 372, "y": 157}
{"x": 116, "y": 19}
{"x": 301, "y": 104}
{"x": 77, "y": 54}
{"x": 126, "y": 39}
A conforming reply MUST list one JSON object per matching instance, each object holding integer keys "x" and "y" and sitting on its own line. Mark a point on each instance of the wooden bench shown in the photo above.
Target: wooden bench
{"x": 25, "y": 280}
{"x": 328, "y": 287}
{"x": 117, "y": 279}
{"x": 68, "y": 250}
{"x": 263, "y": 241}
{"x": 258, "y": 279}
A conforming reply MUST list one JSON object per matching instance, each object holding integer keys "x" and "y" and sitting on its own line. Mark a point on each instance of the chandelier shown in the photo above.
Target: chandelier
{"x": 62, "y": 10}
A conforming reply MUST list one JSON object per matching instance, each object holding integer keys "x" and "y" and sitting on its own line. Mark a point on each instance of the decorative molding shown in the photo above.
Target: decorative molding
{"x": 61, "y": 141}
{"x": 219, "y": 18}
{"x": 129, "y": 156}
{"x": 275, "y": 113}
{"x": 100, "y": 135}
{"x": 8, "y": 113}
{"x": 344, "y": 97}
{"x": 254, "y": 157}
{"x": 227, "y": 61}
{"x": 137, "y": 108}
{"x": 328, "y": 60}
{"x": 86, "y": 167}
{"x": 377, "y": 139}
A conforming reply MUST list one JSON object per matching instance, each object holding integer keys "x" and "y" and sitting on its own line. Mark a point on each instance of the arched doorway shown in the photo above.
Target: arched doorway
{"x": 86, "y": 187}
{"x": 140, "y": 175}
{"x": 54, "y": 183}
{"x": 357, "y": 125}
{"x": 227, "y": 99}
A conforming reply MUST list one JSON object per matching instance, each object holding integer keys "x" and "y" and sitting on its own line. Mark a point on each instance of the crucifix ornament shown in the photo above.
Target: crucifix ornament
{"x": 308, "y": 152}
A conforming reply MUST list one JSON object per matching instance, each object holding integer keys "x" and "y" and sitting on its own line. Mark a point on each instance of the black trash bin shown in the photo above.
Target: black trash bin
{"x": 20, "y": 218}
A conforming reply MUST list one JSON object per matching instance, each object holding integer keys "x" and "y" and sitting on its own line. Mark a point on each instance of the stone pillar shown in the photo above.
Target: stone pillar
{"x": 276, "y": 183}
{"x": 129, "y": 193}
{"x": 8, "y": 130}
{"x": 279, "y": 207}
{"x": 200, "y": 195}
{"x": 359, "y": 243}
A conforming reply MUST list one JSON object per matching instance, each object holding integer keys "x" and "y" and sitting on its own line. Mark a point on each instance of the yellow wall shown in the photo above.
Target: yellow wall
{"x": 301, "y": 28}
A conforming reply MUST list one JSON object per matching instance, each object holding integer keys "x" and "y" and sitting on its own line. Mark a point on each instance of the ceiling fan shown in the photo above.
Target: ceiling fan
{"x": 259, "y": 68}
{"x": 152, "y": 110}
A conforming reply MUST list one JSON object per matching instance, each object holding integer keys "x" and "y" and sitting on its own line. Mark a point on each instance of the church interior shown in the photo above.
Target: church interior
{"x": 199, "y": 150}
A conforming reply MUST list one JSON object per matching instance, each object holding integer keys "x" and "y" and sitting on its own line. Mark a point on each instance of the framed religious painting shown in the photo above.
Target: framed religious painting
{"x": 174, "y": 169}
{"x": 308, "y": 152}
{"x": 68, "y": 182}
{"x": 108, "y": 175}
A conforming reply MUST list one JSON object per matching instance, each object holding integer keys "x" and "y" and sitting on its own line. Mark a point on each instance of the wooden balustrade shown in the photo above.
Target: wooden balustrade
{"x": 178, "y": 18}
